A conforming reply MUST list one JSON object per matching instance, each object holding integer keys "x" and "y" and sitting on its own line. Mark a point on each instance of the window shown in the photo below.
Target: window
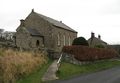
{"x": 69, "y": 42}
{"x": 58, "y": 39}
{"x": 37, "y": 43}
{"x": 64, "y": 40}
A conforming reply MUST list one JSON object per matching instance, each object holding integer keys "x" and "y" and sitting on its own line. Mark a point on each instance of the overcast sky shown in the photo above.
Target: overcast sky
{"x": 85, "y": 16}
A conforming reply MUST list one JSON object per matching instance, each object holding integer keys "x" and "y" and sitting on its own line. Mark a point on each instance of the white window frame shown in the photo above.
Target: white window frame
{"x": 64, "y": 40}
{"x": 69, "y": 41}
{"x": 58, "y": 39}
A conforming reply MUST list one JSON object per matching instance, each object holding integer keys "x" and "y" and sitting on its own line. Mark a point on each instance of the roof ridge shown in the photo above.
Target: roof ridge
{"x": 46, "y": 16}
{"x": 100, "y": 40}
{"x": 55, "y": 22}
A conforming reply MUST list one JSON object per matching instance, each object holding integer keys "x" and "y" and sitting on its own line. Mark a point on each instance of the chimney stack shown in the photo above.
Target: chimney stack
{"x": 92, "y": 35}
{"x": 99, "y": 37}
{"x": 22, "y": 22}
{"x": 32, "y": 10}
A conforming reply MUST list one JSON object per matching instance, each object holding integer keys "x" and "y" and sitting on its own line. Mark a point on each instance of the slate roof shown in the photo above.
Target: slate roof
{"x": 97, "y": 40}
{"x": 55, "y": 22}
{"x": 33, "y": 32}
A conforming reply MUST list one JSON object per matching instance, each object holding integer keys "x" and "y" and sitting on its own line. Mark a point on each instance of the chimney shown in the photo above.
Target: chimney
{"x": 92, "y": 35}
{"x": 32, "y": 10}
{"x": 22, "y": 22}
{"x": 99, "y": 37}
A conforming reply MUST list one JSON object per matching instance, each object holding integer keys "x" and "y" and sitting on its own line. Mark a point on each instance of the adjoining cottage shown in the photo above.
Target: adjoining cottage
{"x": 38, "y": 31}
{"x": 94, "y": 41}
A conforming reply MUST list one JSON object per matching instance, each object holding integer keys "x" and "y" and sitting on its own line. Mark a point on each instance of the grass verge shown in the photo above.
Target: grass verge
{"x": 68, "y": 70}
{"x": 36, "y": 76}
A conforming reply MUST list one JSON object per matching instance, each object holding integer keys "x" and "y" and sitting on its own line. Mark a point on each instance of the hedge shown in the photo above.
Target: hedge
{"x": 85, "y": 53}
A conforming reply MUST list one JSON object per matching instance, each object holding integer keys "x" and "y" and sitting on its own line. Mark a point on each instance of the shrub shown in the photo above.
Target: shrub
{"x": 15, "y": 65}
{"x": 85, "y": 53}
{"x": 80, "y": 41}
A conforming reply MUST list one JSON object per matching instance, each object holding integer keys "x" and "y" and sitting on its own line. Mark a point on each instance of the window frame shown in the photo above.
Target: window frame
{"x": 69, "y": 40}
{"x": 64, "y": 40}
{"x": 58, "y": 39}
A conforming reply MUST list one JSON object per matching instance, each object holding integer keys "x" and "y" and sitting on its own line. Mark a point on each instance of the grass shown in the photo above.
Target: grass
{"x": 36, "y": 76}
{"x": 16, "y": 64}
{"x": 68, "y": 70}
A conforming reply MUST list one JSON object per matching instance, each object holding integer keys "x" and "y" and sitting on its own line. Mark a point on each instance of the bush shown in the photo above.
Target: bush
{"x": 15, "y": 65}
{"x": 85, "y": 53}
{"x": 80, "y": 41}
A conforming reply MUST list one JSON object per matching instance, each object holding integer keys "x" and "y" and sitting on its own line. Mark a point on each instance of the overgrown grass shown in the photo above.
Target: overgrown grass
{"x": 35, "y": 77}
{"x": 68, "y": 70}
{"x": 15, "y": 65}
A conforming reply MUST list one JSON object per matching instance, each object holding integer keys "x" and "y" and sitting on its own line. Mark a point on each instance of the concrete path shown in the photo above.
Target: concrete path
{"x": 107, "y": 76}
{"x": 51, "y": 72}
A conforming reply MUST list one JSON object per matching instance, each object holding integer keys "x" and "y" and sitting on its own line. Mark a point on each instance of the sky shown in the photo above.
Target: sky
{"x": 85, "y": 16}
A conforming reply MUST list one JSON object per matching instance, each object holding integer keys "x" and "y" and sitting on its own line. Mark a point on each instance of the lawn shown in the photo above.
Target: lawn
{"x": 68, "y": 70}
{"x": 36, "y": 76}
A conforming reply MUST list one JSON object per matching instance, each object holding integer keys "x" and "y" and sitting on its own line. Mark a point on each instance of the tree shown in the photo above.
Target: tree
{"x": 80, "y": 41}
{"x": 1, "y": 31}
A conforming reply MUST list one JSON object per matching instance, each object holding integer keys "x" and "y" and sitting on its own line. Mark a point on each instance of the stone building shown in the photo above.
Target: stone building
{"x": 94, "y": 41}
{"x": 39, "y": 31}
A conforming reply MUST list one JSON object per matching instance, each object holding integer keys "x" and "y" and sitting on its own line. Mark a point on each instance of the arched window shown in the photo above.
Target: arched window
{"x": 37, "y": 43}
{"x": 58, "y": 39}
{"x": 64, "y": 40}
{"x": 69, "y": 40}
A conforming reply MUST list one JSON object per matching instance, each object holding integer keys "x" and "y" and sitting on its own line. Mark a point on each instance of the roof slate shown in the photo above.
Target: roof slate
{"x": 96, "y": 40}
{"x": 33, "y": 32}
{"x": 55, "y": 22}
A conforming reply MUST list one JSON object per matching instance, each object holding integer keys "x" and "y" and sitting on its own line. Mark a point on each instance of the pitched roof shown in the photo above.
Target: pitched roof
{"x": 33, "y": 32}
{"x": 95, "y": 40}
{"x": 55, "y": 22}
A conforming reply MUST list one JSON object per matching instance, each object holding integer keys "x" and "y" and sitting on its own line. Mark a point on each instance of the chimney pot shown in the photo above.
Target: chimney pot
{"x": 22, "y": 22}
{"x": 99, "y": 37}
{"x": 92, "y": 35}
{"x": 32, "y": 10}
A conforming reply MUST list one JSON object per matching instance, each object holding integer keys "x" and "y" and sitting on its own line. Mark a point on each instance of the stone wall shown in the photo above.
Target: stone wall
{"x": 70, "y": 58}
{"x": 25, "y": 40}
{"x": 62, "y": 33}
{"x": 22, "y": 38}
